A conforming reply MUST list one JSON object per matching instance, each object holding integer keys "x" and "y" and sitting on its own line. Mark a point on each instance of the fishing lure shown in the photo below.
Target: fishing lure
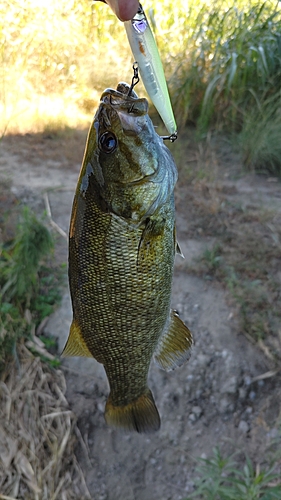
{"x": 145, "y": 51}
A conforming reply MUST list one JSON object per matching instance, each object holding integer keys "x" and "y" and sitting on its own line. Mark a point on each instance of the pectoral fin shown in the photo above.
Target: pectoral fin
{"x": 76, "y": 345}
{"x": 175, "y": 345}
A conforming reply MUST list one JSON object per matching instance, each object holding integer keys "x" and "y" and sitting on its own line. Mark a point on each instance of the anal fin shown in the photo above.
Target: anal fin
{"x": 175, "y": 345}
{"x": 76, "y": 345}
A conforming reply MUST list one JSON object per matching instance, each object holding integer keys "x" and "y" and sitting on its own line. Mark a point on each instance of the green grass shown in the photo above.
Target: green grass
{"x": 223, "y": 479}
{"x": 29, "y": 286}
{"x": 259, "y": 139}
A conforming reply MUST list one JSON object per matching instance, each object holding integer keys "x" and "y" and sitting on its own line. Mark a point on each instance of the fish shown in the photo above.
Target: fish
{"x": 147, "y": 56}
{"x": 122, "y": 245}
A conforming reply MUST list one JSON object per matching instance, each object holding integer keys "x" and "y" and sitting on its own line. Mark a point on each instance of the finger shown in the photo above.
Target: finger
{"x": 124, "y": 9}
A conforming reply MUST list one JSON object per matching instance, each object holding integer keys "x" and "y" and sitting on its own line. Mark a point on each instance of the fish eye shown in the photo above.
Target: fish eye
{"x": 108, "y": 142}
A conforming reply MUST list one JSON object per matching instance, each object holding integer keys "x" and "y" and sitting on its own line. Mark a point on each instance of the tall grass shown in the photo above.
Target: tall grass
{"x": 222, "y": 60}
{"x": 232, "y": 60}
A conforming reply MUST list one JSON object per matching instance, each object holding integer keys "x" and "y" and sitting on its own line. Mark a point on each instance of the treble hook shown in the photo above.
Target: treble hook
{"x": 135, "y": 78}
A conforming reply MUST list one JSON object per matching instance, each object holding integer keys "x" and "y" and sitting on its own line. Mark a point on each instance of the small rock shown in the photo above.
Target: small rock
{"x": 242, "y": 393}
{"x": 197, "y": 411}
{"x": 243, "y": 426}
{"x": 273, "y": 433}
{"x": 224, "y": 405}
{"x": 100, "y": 407}
{"x": 252, "y": 395}
{"x": 230, "y": 385}
{"x": 202, "y": 360}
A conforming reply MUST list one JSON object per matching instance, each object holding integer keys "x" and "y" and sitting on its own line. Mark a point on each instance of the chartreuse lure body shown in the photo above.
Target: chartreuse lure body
{"x": 146, "y": 54}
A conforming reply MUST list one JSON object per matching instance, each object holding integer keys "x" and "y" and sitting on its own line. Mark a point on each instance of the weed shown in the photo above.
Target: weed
{"x": 259, "y": 138}
{"x": 28, "y": 290}
{"x": 222, "y": 479}
{"x": 21, "y": 262}
{"x": 212, "y": 258}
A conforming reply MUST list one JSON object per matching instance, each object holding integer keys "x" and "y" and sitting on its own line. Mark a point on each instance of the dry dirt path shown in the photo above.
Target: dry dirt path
{"x": 212, "y": 400}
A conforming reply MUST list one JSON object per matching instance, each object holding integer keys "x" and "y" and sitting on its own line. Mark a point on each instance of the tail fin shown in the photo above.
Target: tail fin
{"x": 141, "y": 415}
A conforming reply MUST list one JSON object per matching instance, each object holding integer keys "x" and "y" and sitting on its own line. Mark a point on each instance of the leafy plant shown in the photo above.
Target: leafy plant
{"x": 29, "y": 290}
{"x": 222, "y": 479}
{"x": 20, "y": 264}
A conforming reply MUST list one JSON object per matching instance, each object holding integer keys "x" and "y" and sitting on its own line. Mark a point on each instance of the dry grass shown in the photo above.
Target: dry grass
{"x": 37, "y": 434}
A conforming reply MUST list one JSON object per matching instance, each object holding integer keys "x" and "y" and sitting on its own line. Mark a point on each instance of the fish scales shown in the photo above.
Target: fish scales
{"x": 121, "y": 256}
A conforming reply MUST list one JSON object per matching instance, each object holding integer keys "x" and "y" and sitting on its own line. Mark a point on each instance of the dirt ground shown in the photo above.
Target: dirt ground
{"x": 221, "y": 397}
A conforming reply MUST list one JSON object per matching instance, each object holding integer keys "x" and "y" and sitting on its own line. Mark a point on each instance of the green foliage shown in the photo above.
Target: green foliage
{"x": 259, "y": 140}
{"x": 233, "y": 58}
{"x": 21, "y": 263}
{"x": 29, "y": 290}
{"x": 222, "y": 479}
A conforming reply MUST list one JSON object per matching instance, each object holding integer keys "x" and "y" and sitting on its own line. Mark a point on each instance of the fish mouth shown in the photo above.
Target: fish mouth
{"x": 125, "y": 101}
{"x": 127, "y": 106}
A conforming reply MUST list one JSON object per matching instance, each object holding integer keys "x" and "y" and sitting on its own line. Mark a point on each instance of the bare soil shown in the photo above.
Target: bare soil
{"x": 228, "y": 394}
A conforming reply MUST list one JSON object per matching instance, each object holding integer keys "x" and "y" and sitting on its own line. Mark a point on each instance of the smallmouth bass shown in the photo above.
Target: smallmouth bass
{"x": 122, "y": 246}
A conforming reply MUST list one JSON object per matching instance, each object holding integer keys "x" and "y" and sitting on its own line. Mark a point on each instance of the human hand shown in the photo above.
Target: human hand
{"x": 124, "y": 9}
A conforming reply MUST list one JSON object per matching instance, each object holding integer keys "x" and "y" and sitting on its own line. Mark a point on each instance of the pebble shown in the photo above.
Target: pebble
{"x": 242, "y": 393}
{"x": 197, "y": 411}
{"x": 230, "y": 386}
{"x": 252, "y": 395}
{"x": 247, "y": 380}
{"x": 100, "y": 407}
{"x": 224, "y": 405}
{"x": 273, "y": 433}
{"x": 243, "y": 426}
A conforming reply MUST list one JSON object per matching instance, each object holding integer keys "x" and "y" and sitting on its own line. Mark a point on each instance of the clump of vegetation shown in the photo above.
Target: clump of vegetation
{"x": 222, "y": 479}
{"x": 233, "y": 60}
{"x": 222, "y": 61}
{"x": 259, "y": 139}
{"x": 20, "y": 262}
{"x": 28, "y": 288}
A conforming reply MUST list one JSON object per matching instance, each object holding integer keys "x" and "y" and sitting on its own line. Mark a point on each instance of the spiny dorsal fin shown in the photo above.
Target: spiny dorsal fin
{"x": 174, "y": 345}
{"x": 141, "y": 415}
{"x": 76, "y": 345}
